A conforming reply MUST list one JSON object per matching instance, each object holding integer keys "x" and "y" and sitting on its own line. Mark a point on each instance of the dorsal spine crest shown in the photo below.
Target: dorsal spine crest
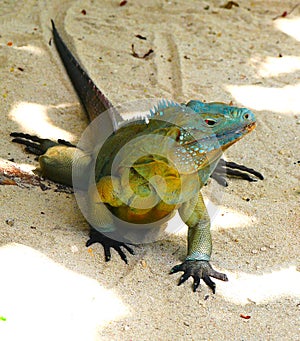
{"x": 158, "y": 110}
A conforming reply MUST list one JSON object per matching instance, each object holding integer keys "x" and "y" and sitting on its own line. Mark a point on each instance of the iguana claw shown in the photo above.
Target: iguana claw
{"x": 234, "y": 169}
{"x": 198, "y": 269}
{"x": 108, "y": 243}
{"x": 36, "y": 145}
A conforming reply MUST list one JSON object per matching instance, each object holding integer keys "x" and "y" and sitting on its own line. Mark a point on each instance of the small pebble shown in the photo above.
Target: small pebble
{"x": 263, "y": 248}
{"x": 144, "y": 263}
{"x": 254, "y": 252}
{"x": 74, "y": 248}
{"x": 10, "y": 221}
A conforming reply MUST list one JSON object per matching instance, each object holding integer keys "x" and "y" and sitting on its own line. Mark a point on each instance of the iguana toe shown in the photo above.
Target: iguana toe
{"x": 108, "y": 243}
{"x": 34, "y": 144}
{"x": 225, "y": 168}
{"x": 198, "y": 270}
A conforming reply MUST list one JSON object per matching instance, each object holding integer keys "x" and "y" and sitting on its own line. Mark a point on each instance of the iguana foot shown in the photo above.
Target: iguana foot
{"x": 108, "y": 243}
{"x": 198, "y": 269}
{"x": 231, "y": 168}
{"x": 36, "y": 145}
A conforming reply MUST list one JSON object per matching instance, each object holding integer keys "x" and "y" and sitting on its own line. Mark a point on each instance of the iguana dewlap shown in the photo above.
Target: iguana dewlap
{"x": 162, "y": 165}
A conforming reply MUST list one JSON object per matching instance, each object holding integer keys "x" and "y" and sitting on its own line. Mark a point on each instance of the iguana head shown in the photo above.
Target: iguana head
{"x": 227, "y": 124}
{"x": 205, "y": 130}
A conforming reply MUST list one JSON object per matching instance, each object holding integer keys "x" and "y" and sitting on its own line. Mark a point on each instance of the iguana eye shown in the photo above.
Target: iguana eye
{"x": 210, "y": 122}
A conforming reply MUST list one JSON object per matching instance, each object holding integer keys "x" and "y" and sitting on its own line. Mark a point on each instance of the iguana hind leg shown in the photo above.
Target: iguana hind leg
{"x": 56, "y": 159}
{"x": 34, "y": 144}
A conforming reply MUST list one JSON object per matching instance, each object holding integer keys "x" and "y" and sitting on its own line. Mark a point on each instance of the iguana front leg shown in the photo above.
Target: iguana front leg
{"x": 103, "y": 230}
{"x": 196, "y": 264}
{"x": 102, "y": 226}
{"x": 108, "y": 243}
{"x": 233, "y": 169}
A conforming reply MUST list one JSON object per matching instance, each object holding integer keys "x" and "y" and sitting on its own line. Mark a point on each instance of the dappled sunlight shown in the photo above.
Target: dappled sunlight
{"x": 23, "y": 166}
{"x": 245, "y": 288}
{"x": 27, "y": 48}
{"x": 221, "y": 218}
{"x": 39, "y": 296}
{"x": 280, "y": 100}
{"x": 284, "y": 99}
{"x": 262, "y": 288}
{"x": 290, "y": 26}
{"x": 228, "y": 218}
{"x": 30, "y": 49}
{"x": 275, "y": 66}
{"x": 33, "y": 118}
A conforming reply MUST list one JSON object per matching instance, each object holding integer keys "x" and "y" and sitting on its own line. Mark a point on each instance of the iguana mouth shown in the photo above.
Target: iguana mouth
{"x": 250, "y": 126}
{"x": 242, "y": 132}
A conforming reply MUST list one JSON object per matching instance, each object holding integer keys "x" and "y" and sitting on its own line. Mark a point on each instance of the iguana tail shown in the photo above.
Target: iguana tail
{"x": 92, "y": 99}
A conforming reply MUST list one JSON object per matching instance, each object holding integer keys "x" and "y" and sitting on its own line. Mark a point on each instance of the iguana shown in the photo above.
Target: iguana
{"x": 163, "y": 162}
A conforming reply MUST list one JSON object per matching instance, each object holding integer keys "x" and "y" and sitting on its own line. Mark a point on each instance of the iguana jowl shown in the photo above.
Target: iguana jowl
{"x": 152, "y": 180}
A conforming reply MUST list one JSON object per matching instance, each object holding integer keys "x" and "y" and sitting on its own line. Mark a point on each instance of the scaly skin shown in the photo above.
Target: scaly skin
{"x": 162, "y": 166}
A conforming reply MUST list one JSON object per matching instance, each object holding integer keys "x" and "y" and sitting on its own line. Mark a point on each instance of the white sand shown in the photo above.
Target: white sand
{"x": 52, "y": 287}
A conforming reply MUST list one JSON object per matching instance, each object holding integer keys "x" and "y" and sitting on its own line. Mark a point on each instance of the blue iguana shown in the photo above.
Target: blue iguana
{"x": 163, "y": 163}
